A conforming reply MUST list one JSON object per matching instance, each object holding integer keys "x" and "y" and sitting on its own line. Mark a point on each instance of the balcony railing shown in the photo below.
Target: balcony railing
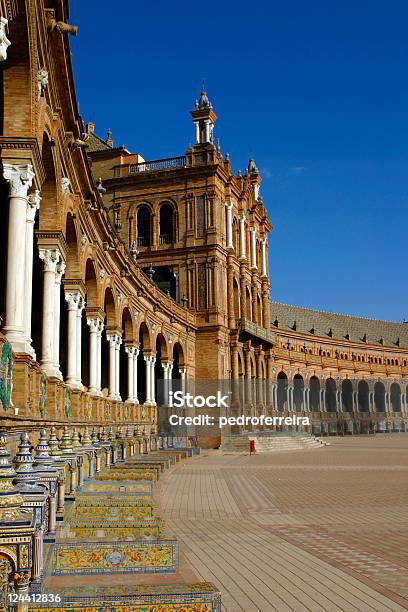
{"x": 165, "y": 238}
{"x": 158, "y": 164}
{"x": 143, "y": 241}
{"x": 256, "y": 330}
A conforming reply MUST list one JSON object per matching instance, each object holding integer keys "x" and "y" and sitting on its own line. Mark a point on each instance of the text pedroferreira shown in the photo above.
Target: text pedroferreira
{"x": 263, "y": 419}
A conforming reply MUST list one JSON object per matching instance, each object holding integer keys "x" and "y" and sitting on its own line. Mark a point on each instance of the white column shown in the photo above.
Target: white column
{"x": 117, "y": 367}
{"x": 130, "y": 350}
{"x": 57, "y": 316}
{"x": 93, "y": 354}
{"x": 148, "y": 359}
{"x": 197, "y": 131}
{"x": 253, "y": 247}
{"x": 153, "y": 380}
{"x": 72, "y": 298}
{"x": 112, "y": 365}
{"x": 99, "y": 357}
{"x": 264, "y": 271}
{"x": 33, "y": 205}
{"x": 4, "y": 41}
{"x": 170, "y": 383}
{"x": 81, "y": 306}
{"x": 207, "y": 130}
{"x": 183, "y": 372}
{"x": 135, "y": 356}
{"x": 242, "y": 245}
{"x": 230, "y": 244}
{"x": 50, "y": 257}
{"x": 166, "y": 378}
{"x": 20, "y": 179}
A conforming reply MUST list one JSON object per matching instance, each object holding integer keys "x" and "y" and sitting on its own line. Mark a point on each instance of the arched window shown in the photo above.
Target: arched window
{"x": 331, "y": 395}
{"x": 395, "y": 397}
{"x": 363, "y": 396}
{"x": 298, "y": 387}
{"x": 282, "y": 390}
{"x": 379, "y": 396}
{"x": 314, "y": 394}
{"x": 166, "y": 224}
{"x": 347, "y": 395}
{"x": 143, "y": 226}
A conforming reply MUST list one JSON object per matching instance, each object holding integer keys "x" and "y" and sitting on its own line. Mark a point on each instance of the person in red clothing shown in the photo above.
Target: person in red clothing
{"x": 251, "y": 447}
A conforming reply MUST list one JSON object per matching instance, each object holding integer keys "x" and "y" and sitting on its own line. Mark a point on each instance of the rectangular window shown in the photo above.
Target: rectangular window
{"x": 202, "y": 286}
{"x": 200, "y": 212}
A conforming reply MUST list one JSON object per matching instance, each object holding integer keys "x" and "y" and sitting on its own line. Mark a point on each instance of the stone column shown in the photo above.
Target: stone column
{"x": 207, "y": 130}
{"x": 255, "y": 310}
{"x": 81, "y": 306}
{"x": 20, "y": 179}
{"x": 166, "y": 377}
{"x": 183, "y": 373}
{"x": 51, "y": 258}
{"x": 33, "y": 205}
{"x": 264, "y": 271}
{"x": 253, "y": 247}
{"x": 99, "y": 356}
{"x": 135, "y": 356}
{"x": 148, "y": 359}
{"x": 60, "y": 496}
{"x": 230, "y": 244}
{"x": 112, "y": 365}
{"x": 37, "y": 554}
{"x": 93, "y": 354}
{"x": 117, "y": 367}
{"x": 242, "y": 245}
{"x": 130, "y": 354}
{"x": 57, "y": 316}
{"x": 153, "y": 380}
{"x": 72, "y": 299}
{"x": 197, "y": 131}
{"x": 52, "y": 520}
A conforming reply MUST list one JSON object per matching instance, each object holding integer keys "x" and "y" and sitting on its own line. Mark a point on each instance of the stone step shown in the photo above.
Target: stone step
{"x": 171, "y": 597}
{"x": 269, "y": 442}
{"x": 74, "y": 558}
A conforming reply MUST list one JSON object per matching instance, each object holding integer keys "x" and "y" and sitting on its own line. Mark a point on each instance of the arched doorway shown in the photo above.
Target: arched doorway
{"x": 395, "y": 397}
{"x": 298, "y": 387}
{"x": 347, "y": 395}
{"x": 282, "y": 391}
{"x": 144, "y": 344}
{"x": 379, "y": 396}
{"x": 331, "y": 390}
{"x": 127, "y": 340}
{"x": 91, "y": 302}
{"x": 161, "y": 355}
{"x": 110, "y": 324}
{"x": 314, "y": 394}
{"x": 363, "y": 396}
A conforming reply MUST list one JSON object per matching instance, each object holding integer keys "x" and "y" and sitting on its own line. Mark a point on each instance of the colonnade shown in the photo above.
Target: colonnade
{"x": 23, "y": 207}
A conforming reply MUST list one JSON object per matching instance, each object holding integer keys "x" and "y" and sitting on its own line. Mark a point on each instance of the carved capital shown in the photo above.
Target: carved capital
{"x": 51, "y": 258}
{"x": 72, "y": 298}
{"x": 20, "y": 179}
{"x": 4, "y": 41}
{"x": 34, "y": 200}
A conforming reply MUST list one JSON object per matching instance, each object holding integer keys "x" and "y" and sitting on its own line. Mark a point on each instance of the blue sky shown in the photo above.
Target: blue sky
{"x": 316, "y": 92}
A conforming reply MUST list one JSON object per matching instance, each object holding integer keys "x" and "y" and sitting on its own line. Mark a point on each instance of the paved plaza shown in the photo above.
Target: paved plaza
{"x": 321, "y": 529}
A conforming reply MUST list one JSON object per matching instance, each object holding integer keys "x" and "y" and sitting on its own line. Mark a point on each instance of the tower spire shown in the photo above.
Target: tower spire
{"x": 204, "y": 118}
